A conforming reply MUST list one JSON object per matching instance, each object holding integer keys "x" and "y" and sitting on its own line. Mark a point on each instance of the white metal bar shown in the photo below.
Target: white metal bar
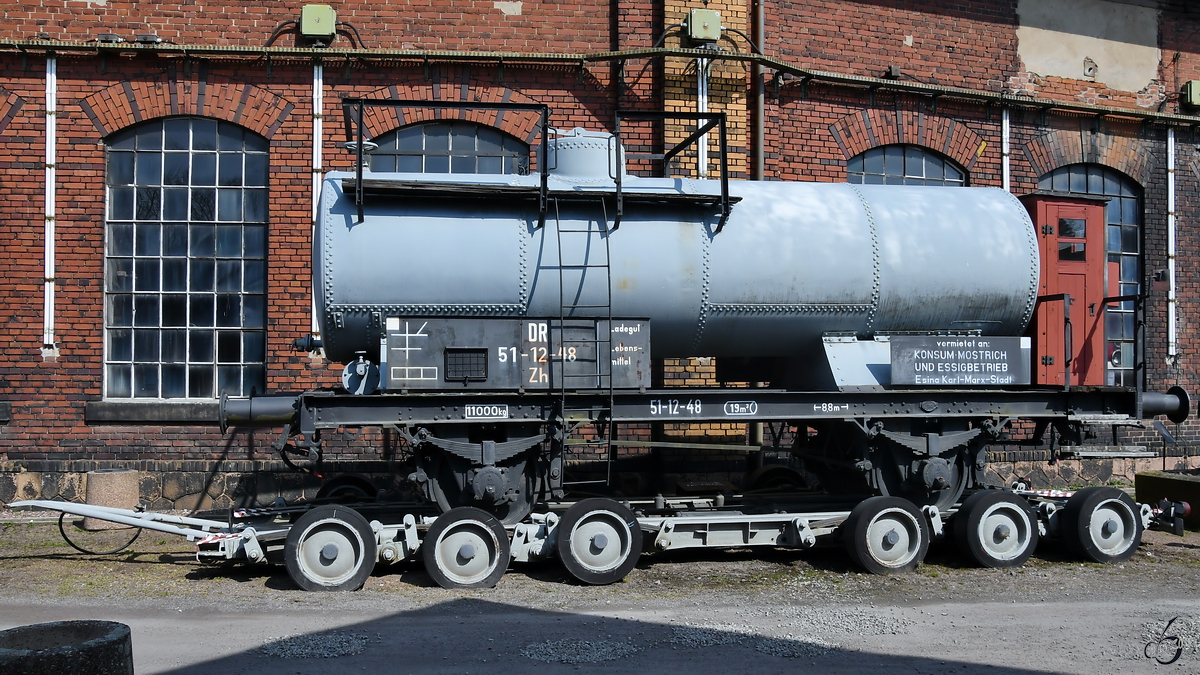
{"x": 149, "y": 521}
{"x": 318, "y": 171}
{"x": 702, "y": 106}
{"x": 1172, "y": 346}
{"x": 1005, "y": 151}
{"x": 49, "y": 350}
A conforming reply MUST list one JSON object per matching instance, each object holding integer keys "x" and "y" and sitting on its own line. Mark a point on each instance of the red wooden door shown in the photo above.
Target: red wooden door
{"x": 1071, "y": 240}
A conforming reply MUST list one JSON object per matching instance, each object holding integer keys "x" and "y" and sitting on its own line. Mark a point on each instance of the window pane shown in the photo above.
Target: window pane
{"x": 254, "y": 308}
{"x": 231, "y": 170}
{"x": 120, "y": 310}
{"x": 174, "y": 346}
{"x": 200, "y": 346}
{"x": 253, "y": 347}
{"x": 254, "y": 277}
{"x": 255, "y": 206}
{"x": 120, "y": 384}
{"x": 200, "y": 311}
{"x": 204, "y": 238}
{"x": 204, "y": 169}
{"x": 120, "y": 168}
{"x": 145, "y": 275}
{"x": 437, "y": 164}
{"x": 174, "y": 380}
{"x": 120, "y": 204}
{"x": 229, "y": 310}
{"x": 256, "y": 170}
{"x": 254, "y": 379}
{"x": 148, "y": 239}
{"x": 1095, "y": 180}
{"x": 229, "y": 136}
{"x": 255, "y": 143}
{"x": 148, "y": 204}
{"x": 229, "y": 241}
{"x": 229, "y": 205}
{"x": 174, "y": 310}
{"x": 229, "y": 275}
{"x": 1129, "y": 211}
{"x": 229, "y": 347}
{"x": 176, "y": 134}
{"x": 408, "y": 163}
{"x": 1129, "y": 239}
{"x": 229, "y": 380}
{"x": 462, "y": 164}
{"x": 149, "y": 136}
{"x": 200, "y": 381}
{"x": 120, "y": 240}
{"x": 203, "y": 275}
{"x": 204, "y": 134}
{"x": 145, "y": 345}
{"x": 175, "y": 168}
{"x": 1078, "y": 179}
{"x": 145, "y": 380}
{"x": 437, "y": 138}
{"x": 119, "y": 275}
{"x": 120, "y": 345}
{"x": 256, "y": 241}
{"x": 874, "y": 161}
{"x": 204, "y": 204}
{"x": 491, "y": 165}
{"x": 145, "y": 310}
{"x": 175, "y": 240}
{"x": 149, "y": 168}
{"x": 175, "y": 204}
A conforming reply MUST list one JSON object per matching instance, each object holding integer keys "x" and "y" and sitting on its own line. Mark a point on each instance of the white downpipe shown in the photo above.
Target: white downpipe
{"x": 318, "y": 171}
{"x": 49, "y": 349}
{"x": 1005, "y": 152}
{"x": 1172, "y": 347}
{"x": 702, "y": 106}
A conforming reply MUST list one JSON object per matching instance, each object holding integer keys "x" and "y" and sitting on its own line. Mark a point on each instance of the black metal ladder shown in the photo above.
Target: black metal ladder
{"x": 583, "y": 329}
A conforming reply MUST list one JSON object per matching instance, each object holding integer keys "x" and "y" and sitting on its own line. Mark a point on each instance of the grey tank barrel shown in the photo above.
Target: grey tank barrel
{"x": 258, "y": 411}
{"x": 1175, "y": 404}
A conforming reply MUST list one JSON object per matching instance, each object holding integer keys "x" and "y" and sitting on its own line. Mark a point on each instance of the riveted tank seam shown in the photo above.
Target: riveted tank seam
{"x": 1035, "y": 263}
{"x": 523, "y": 258}
{"x": 823, "y": 308}
{"x": 875, "y": 260}
{"x": 706, "y": 239}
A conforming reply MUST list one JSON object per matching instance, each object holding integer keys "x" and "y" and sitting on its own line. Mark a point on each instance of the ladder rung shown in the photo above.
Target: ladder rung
{"x": 583, "y": 266}
{"x": 586, "y": 306}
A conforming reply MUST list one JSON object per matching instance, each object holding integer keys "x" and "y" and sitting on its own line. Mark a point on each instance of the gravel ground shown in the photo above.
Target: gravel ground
{"x": 739, "y": 610}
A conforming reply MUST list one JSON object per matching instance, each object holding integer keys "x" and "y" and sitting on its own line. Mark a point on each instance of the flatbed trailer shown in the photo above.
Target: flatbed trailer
{"x": 334, "y": 547}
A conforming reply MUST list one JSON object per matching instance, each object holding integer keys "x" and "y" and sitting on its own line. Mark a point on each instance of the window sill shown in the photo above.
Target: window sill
{"x": 160, "y": 412}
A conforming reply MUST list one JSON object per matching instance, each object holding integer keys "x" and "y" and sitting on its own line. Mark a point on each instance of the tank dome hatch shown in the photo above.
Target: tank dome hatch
{"x": 583, "y": 155}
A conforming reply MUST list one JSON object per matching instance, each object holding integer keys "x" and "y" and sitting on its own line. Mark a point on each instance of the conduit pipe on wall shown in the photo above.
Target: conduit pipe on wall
{"x": 318, "y": 171}
{"x": 757, "y": 137}
{"x": 702, "y": 106}
{"x": 1005, "y": 152}
{"x": 1172, "y": 347}
{"x": 49, "y": 348}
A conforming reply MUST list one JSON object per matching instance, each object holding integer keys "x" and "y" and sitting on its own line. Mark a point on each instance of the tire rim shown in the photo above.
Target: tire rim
{"x": 1004, "y": 531}
{"x": 330, "y": 552}
{"x": 1112, "y": 527}
{"x": 466, "y": 552}
{"x": 600, "y": 541}
{"x": 893, "y": 538}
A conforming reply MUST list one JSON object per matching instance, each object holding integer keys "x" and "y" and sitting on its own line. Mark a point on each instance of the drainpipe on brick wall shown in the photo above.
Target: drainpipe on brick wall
{"x": 702, "y": 106}
{"x": 318, "y": 173}
{"x": 49, "y": 349}
{"x": 758, "y": 32}
{"x": 1005, "y": 152}
{"x": 1172, "y": 353}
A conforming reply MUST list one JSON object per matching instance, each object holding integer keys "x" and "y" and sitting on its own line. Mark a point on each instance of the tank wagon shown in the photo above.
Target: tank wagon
{"x": 502, "y": 323}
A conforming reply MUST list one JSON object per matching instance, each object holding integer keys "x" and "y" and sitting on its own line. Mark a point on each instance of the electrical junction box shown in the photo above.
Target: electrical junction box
{"x": 704, "y": 25}
{"x": 318, "y": 22}
{"x": 1191, "y": 93}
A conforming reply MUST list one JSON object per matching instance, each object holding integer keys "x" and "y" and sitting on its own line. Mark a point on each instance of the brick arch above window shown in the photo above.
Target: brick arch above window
{"x": 10, "y": 105}
{"x": 1062, "y": 147}
{"x": 862, "y": 131}
{"x": 518, "y": 123}
{"x": 127, "y": 103}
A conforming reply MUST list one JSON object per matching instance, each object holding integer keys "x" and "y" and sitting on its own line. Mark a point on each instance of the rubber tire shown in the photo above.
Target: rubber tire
{"x": 1076, "y": 521}
{"x": 576, "y": 568}
{"x": 349, "y": 518}
{"x": 967, "y": 521}
{"x": 454, "y": 517}
{"x": 856, "y": 527}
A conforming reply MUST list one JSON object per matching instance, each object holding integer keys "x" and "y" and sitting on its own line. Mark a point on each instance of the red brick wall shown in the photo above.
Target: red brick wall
{"x": 811, "y": 131}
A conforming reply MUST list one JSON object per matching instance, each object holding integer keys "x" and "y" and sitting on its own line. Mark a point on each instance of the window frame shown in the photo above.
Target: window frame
{"x": 227, "y": 172}
{"x": 397, "y": 149}
{"x": 904, "y": 153}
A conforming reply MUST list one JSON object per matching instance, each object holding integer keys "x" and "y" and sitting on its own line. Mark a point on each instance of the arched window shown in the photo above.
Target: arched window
{"x": 903, "y": 165}
{"x": 185, "y": 268}
{"x": 1124, "y": 245}
{"x": 450, "y": 147}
